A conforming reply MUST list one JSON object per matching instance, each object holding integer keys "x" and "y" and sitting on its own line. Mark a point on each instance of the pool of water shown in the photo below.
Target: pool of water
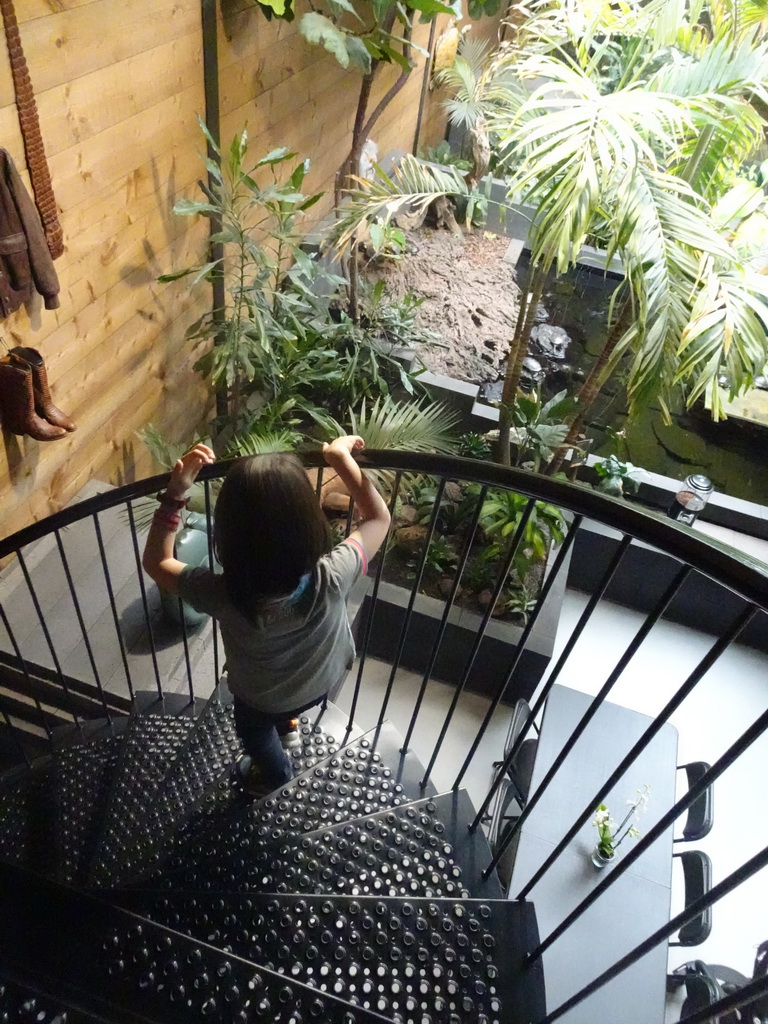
{"x": 731, "y": 453}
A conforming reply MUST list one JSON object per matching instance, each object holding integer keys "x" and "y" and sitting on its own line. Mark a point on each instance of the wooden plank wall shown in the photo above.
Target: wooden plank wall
{"x": 119, "y": 86}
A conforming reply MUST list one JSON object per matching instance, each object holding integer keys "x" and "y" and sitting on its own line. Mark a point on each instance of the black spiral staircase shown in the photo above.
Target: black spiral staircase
{"x": 141, "y": 882}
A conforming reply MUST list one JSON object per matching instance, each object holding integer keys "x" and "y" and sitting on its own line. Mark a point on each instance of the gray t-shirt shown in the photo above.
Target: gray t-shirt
{"x": 293, "y": 652}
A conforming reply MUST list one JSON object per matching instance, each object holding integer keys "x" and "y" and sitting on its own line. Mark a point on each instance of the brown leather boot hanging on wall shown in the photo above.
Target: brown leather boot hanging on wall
{"x": 30, "y": 131}
{"x": 44, "y": 406}
{"x": 17, "y": 402}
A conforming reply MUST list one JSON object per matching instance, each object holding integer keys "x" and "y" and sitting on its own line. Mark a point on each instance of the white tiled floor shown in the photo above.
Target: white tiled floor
{"x": 729, "y": 698}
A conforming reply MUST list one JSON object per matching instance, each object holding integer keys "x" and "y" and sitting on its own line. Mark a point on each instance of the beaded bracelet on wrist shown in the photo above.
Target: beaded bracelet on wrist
{"x": 165, "y": 499}
{"x": 165, "y": 517}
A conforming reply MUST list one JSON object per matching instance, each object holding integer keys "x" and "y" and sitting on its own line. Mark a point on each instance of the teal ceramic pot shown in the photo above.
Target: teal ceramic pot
{"x": 192, "y": 548}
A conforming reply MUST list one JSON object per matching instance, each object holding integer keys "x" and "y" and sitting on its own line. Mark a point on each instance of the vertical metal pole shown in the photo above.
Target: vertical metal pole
{"x": 212, "y": 121}
{"x": 41, "y": 620}
{"x": 25, "y": 670}
{"x": 185, "y": 643}
{"x": 446, "y": 612}
{"x": 565, "y": 547}
{"x": 81, "y": 623}
{"x": 144, "y": 602}
{"x": 112, "y": 602}
{"x": 211, "y": 559}
{"x": 373, "y": 598}
{"x": 458, "y": 690}
{"x": 412, "y": 599}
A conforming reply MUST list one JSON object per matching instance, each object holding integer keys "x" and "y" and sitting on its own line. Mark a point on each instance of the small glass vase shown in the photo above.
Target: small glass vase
{"x": 600, "y": 859}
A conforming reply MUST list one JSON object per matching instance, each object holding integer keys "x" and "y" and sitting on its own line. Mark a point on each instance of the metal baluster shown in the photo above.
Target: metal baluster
{"x": 733, "y": 881}
{"x": 372, "y": 602}
{"x": 661, "y": 719}
{"x": 412, "y": 599}
{"x": 458, "y": 690}
{"x": 25, "y": 670}
{"x": 81, "y": 623}
{"x": 185, "y": 643}
{"x": 112, "y": 602}
{"x": 211, "y": 558}
{"x": 41, "y": 620}
{"x": 565, "y": 547}
{"x": 586, "y": 615}
{"x": 145, "y": 605}
{"x": 736, "y": 749}
{"x": 14, "y": 733}
{"x": 319, "y": 483}
{"x": 446, "y": 612}
{"x": 572, "y": 640}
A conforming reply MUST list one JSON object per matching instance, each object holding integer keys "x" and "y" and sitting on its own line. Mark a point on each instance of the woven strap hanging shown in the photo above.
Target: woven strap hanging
{"x": 30, "y": 131}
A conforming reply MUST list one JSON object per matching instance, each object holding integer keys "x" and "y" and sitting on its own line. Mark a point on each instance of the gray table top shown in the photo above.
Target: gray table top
{"x": 639, "y": 902}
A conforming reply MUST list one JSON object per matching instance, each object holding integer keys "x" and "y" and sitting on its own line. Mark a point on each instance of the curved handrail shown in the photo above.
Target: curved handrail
{"x": 745, "y": 576}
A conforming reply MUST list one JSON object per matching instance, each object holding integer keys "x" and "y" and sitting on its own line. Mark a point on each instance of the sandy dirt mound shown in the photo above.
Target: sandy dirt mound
{"x": 470, "y": 299}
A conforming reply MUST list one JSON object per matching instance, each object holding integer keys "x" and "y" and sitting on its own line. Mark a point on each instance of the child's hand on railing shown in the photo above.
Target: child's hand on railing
{"x": 184, "y": 473}
{"x": 344, "y": 445}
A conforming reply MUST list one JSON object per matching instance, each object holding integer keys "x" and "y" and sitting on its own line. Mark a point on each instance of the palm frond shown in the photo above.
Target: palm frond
{"x": 663, "y": 234}
{"x": 264, "y": 442}
{"x": 411, "y": 184}
{"x": 721, "y": 70}
{"x": 726, "y": 334}
{"x": 388, "y": 424}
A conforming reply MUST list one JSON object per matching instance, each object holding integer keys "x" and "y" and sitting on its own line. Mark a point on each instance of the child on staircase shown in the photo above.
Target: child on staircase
{"x": 281, "y": 600}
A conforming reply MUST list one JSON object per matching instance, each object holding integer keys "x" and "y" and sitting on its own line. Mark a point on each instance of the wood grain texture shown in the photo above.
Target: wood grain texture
{"x": 119, "y": 87}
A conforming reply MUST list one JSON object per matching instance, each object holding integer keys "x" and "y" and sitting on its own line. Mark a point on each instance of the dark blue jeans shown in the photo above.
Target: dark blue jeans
{"x": 260, "y": 732}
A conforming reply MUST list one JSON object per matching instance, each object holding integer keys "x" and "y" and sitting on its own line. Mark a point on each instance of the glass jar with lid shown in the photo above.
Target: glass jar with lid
{"x": 692, "y": 495}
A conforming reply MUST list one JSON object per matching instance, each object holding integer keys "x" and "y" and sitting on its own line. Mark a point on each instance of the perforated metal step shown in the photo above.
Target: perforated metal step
{"x": 354, "y": 781}
{"x": 415, "y": 959}
{"x": 200, "y": 785}
{"x": 156, "y": 732}
{"x": 121, "y": 967}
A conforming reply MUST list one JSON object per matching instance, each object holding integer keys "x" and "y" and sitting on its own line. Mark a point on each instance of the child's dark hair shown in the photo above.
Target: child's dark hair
{"x": 269, "y": 529}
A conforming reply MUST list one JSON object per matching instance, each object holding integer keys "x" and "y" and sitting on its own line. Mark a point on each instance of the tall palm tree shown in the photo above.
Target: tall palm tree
{"x": 631, "y": 131}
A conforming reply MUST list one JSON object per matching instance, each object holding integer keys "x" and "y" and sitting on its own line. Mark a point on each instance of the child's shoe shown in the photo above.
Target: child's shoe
{"x": 253, "y": 782}
{"x": 291, "y": 738}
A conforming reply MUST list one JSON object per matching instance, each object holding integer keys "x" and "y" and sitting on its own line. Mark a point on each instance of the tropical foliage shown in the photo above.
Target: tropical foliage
{"x": 275, "y": 352}
{"x": 631, "y": 130}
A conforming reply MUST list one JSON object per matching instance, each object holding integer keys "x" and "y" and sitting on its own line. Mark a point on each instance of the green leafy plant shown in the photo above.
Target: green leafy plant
{"x": 500, "y": 517}
{"x": 239, "y": 337}
{"x": 410, "y": 426}
{"x": 519, "y": 601}
{"x": 441, "y": 557}
{"x": 474, "y": 446}
{"x": 392, "y": 321}
{"x": 265, "y": 443}
{"x": 482, "y": 569}
{"x": 388, "y": 242}
{"x": 444, "y": 155}
{"x": 611, "y": 836}
{"x": 540, "y": 427}
{"x": 616, "y": 477}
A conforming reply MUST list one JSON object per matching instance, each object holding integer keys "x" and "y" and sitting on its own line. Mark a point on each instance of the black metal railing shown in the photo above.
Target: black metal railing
{"x": 117, "y": 606}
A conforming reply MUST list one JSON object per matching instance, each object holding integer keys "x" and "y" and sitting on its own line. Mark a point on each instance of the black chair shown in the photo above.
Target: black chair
{"x": 701, "y": 812}
{"x": 697, "y": 872}
{"x": 520, "y": 770}
{"x": 702, "y": 990}
{"x": 504, "y": 816}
